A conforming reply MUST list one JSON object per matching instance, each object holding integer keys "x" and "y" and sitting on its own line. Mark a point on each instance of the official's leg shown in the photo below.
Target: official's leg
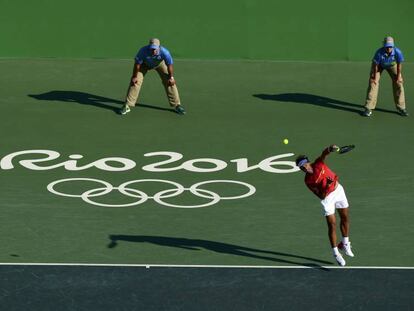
{"x": 134, "y": 89}
{"x": 372, "y": 92}
{"x": 172, "y": 91}
{"x": 398, "y": 89}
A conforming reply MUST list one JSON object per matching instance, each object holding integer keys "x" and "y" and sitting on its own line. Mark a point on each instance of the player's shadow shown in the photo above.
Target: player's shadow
{"x": 89, "y": 99}
{"x": 218, "y": 247}
{"x": 310, "y": 99}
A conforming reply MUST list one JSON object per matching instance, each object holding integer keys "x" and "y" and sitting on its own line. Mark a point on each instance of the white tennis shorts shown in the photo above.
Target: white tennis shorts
{"x": 336, "y": 199}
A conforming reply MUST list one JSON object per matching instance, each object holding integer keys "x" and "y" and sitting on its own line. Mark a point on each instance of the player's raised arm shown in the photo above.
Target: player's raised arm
{"x": 326, "y": 151}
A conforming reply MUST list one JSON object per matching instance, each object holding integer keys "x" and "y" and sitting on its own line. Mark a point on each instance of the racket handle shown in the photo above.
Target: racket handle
{"x": 334, "y": 148}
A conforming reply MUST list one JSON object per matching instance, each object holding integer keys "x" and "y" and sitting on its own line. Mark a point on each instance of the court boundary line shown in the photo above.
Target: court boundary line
{"x": 203, "y": 266}
{"x": 253, "y": 60}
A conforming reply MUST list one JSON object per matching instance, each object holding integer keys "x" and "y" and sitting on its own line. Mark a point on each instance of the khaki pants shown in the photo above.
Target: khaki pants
{"x": 172, "y": 91}
{"x": 398, "y": 90}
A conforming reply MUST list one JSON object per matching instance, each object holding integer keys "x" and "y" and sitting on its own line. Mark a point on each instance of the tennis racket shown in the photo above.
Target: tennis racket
{"x": 345, "y": 149}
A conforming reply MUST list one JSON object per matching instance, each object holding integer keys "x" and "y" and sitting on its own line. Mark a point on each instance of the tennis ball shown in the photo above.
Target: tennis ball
{"x": 285, "y": 141}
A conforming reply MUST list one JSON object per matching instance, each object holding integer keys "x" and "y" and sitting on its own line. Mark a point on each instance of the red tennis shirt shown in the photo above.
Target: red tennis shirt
{"x": 323, "y": 181}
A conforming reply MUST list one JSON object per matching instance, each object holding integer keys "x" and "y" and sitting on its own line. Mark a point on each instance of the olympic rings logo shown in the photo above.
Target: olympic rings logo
{"x": 125, "y": 189}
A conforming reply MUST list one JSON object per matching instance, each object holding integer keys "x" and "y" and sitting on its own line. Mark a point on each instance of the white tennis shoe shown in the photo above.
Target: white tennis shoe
{"x": 346, "y": 248}
{"x": 125, "y": 110}
{"x": 340, "y": 260}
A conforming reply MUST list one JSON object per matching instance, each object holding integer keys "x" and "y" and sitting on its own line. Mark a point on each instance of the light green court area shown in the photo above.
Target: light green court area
{"x": 235, "y": 110}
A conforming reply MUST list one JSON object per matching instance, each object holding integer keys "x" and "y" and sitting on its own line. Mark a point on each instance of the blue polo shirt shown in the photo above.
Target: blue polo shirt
{"x": 385, "y": 61}
{"x": 144, "y": 56}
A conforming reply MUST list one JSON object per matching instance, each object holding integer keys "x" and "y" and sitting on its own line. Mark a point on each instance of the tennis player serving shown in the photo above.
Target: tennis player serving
{"x": 323, "y": 182}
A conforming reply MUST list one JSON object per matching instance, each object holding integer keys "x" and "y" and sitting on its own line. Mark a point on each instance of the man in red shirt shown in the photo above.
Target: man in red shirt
{"x": 324, "y": 184}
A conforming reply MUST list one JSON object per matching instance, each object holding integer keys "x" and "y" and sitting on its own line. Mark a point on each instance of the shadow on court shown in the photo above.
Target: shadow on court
{"x": 303, "y": 98}
{"x": 89, "y": 99}
{"x": 218, "y": 247}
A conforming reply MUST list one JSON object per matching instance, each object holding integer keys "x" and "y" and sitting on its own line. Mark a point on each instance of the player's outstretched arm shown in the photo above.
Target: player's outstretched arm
{"x": 326, "y": 151}
{"x": 333, "y": 148}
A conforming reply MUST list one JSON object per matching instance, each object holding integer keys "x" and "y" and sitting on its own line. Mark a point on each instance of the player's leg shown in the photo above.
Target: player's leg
{"x": 344, "y": 215}
{"x": 342, "y": 205}
{"x": 133, "y": 91}
{"x": 398, "y": 91}
{"x": 329, "y": 212}
{"x": 372, "y": 95}
{"x": 171, "y": 90}
{"x": 331, "y": 222}
{"x": 345, "y": 244}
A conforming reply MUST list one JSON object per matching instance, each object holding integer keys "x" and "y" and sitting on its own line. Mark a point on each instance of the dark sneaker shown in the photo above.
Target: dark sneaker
{"x": 402, "y": 112}
{"x": 180, "y": 110}
{"x": 125, "y": 110}
{"x": 367, "y": 112}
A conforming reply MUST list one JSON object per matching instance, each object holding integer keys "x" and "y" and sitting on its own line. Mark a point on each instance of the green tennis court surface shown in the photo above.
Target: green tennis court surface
{"x": 235, "y": 110}
{"x": 222, "y": 162}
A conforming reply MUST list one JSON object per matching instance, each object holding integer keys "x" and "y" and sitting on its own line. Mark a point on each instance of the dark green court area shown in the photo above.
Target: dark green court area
{"x": 128, "y": 288}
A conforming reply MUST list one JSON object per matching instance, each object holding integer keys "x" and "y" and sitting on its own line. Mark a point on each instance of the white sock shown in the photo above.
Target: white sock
{"x": 345, "y": 240}
{"x": 335, "y": 251}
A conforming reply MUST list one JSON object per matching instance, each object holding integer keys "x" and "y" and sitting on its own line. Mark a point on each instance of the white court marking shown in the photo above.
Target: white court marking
{"x": 201, "y": 266}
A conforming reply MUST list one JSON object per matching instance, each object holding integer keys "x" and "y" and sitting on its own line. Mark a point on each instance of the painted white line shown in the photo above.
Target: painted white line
{"x": 212, "y": 60}
{"x": 201, "y": 266}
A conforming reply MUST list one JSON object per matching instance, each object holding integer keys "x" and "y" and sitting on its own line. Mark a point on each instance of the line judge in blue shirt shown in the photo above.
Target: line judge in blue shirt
{"x": 153, "y": 56}
{"x": 390, "y": 58}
